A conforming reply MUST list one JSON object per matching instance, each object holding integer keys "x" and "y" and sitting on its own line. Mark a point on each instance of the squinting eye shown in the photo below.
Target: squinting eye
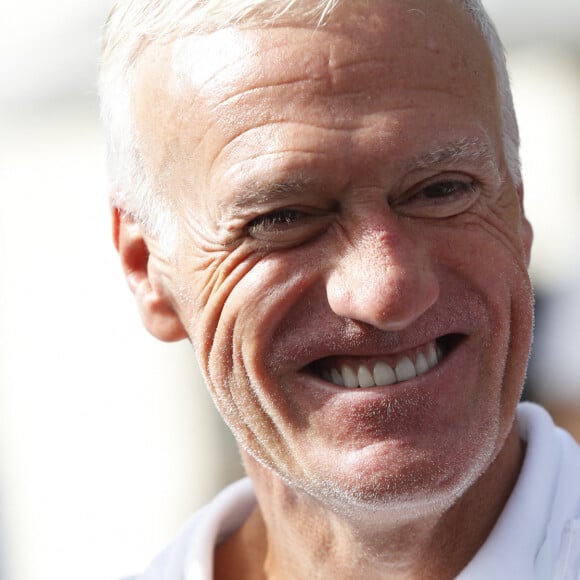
{"x": 274, "y": 220}
{"x": 288, "y": 227}
{"x": 447, "y": 188}
{"x": 439, "y": 199}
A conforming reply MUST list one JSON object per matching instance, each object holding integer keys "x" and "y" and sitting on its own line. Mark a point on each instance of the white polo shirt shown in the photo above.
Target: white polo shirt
{"x": 537, "y": 536}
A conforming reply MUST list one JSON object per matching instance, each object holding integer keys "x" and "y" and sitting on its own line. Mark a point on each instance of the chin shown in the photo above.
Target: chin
{"x": 411, "y": 485}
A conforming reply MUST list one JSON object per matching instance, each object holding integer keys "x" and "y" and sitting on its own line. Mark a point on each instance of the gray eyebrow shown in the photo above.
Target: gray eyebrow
{"x": 261, "y": 192}
{"x": 474, "y": 150}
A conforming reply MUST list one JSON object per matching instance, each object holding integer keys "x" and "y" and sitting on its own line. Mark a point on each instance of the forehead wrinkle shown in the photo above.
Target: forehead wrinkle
{"x": 297, "y": 76}
{"x": 254, "y": 152}
{"x": 256, "y": 88}
{"x": 241, "y": 47}
{"x": 356, "y": 64}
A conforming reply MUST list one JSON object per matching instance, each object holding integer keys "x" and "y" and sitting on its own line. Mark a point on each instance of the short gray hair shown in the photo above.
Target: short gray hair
{"x": 133, "y": 25}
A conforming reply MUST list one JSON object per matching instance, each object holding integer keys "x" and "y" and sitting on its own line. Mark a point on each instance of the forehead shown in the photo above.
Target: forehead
{"x": 382, "y": 31}
{"x": 391, "y": 56}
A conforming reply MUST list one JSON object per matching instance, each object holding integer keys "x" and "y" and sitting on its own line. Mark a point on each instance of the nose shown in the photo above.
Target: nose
{"x": 383, "y": 276}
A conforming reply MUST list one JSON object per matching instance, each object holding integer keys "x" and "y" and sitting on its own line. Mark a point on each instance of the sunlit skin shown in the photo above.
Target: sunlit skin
{"x": 343, "y": 198}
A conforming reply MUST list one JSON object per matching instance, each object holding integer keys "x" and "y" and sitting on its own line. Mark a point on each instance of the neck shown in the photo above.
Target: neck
{"x": 295, "y": 536}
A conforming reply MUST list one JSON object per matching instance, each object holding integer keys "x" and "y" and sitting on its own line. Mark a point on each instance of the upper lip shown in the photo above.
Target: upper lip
{"x": 366, "y": 344}
{"x": 445, "y": 342}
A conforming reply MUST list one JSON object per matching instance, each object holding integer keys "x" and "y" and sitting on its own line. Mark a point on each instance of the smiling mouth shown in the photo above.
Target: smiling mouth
{"x": 378, "y": 372}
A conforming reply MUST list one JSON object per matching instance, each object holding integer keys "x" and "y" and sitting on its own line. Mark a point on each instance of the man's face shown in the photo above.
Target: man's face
{"x": 347, "y": 220}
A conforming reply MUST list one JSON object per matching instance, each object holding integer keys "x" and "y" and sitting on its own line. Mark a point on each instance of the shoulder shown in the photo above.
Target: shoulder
{"x": 538, "y": 531}
{"x": 552, "y": 459}
{"x": 190, "y": 555}
{"x": 553, "y": 465}
{"x": 545, "y": 441}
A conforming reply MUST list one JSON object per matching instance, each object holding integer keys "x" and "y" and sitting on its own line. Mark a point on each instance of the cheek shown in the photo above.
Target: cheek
{"x": 243, "y": 300}
{"x": 495, "y": 267}
{"x": 237, "y": 329}
{"x": 252, "y": 314}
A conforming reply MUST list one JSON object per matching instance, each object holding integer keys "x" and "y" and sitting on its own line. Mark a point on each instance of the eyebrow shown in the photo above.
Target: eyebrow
{"x": 256, "y": 193}
{"x": 468, "y": 149}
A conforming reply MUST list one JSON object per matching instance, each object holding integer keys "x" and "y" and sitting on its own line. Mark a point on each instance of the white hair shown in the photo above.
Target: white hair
{"x": 133, "y": 25}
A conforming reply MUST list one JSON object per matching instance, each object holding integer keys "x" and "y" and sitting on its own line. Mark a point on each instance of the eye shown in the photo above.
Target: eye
{"x": 276, "y": 219}
{"x": 447, "y": 189}
{"x": 438, "y": 199}
{"x": 287, "y": 226}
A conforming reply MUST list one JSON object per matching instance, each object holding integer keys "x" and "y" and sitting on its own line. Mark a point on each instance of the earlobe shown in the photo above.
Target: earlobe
{"x": 155, "y": 306}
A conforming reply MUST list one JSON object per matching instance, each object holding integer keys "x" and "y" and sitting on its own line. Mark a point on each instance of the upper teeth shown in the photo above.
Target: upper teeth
{"x": 382, "y": 374}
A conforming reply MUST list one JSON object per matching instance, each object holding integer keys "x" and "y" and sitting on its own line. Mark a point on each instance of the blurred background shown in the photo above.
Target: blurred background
{"x": 108, "y": 440}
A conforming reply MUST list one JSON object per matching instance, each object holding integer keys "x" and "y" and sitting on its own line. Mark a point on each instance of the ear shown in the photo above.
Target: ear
{"x": 527, "y": 230}
{"x": 155, "y": 306}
